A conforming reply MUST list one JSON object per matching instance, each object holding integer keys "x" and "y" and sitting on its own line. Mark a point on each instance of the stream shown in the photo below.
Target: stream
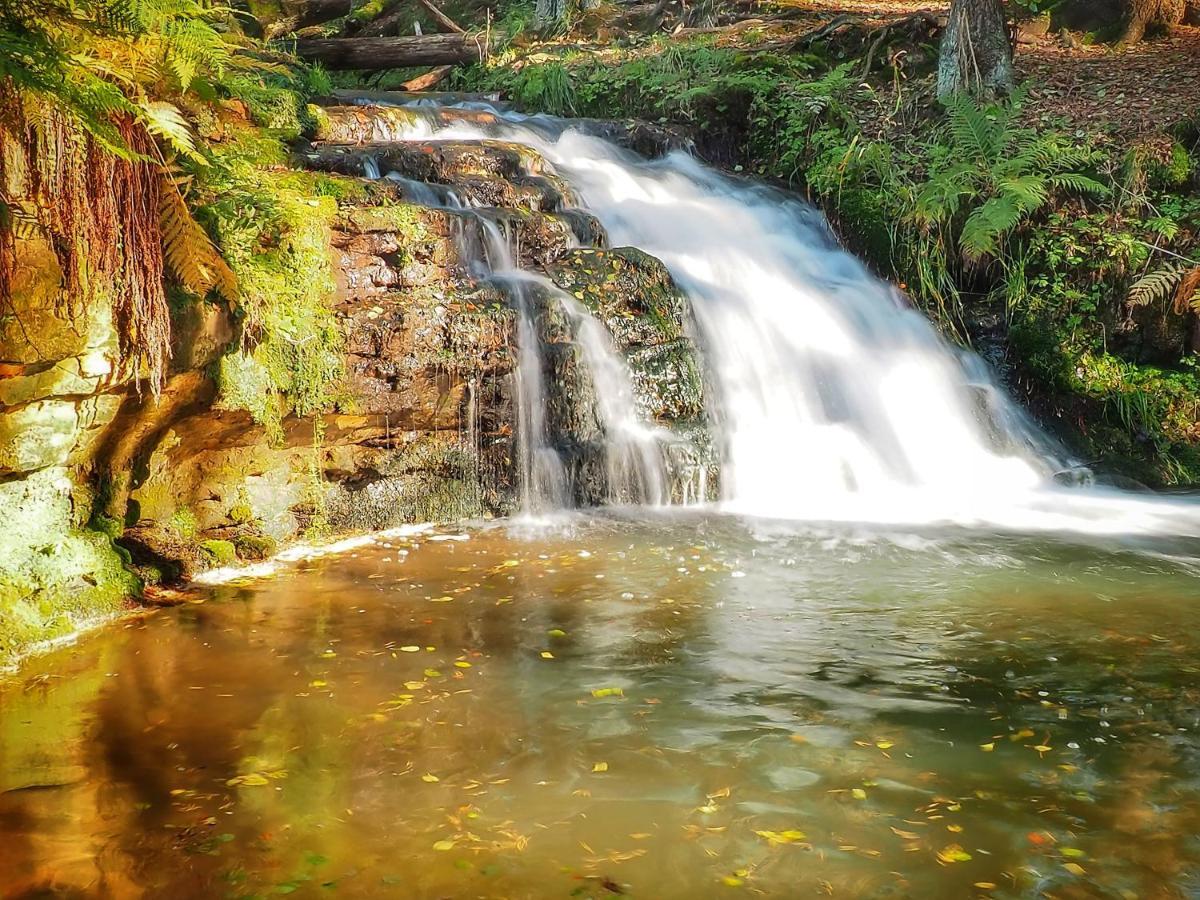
{"x": 902, "y": 648}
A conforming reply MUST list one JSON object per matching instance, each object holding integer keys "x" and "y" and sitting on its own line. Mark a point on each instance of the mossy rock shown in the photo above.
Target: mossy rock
{"x": 667, "y": 381}
{"x": 254, "y": 546}
{"x": 630, "y": 291}
{"x": 218, "y": 552}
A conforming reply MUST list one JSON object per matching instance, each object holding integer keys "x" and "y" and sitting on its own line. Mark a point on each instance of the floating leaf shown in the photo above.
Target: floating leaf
{"x": 858, "y": 794}
{"x": 1075, "y": 868}
{"x": 546, "y": 654}
{"x": 600, "y": 767}
{"x": 601, "y": 693}
{"x": 410, "y": 648}
{"x": 557, "y": 633}
{"x": 885, "y": 745}
{"x": 444, "y": 845}
{"x": 430, "y": 778}
{"x": 953, "y": 854}
{"x": 782, "y": 837}
{"x": 462, "y": 664}
{"x": 1072, "y": 852}
{"x": 988, "y": 748}
{"x": 731, "y": 881}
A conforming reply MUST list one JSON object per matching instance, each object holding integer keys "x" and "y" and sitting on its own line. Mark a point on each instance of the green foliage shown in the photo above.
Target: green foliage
{"x": 990, "y": 175}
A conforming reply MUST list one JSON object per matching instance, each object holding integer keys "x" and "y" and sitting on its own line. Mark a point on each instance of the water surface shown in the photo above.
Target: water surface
{"x": 684, "y": 707}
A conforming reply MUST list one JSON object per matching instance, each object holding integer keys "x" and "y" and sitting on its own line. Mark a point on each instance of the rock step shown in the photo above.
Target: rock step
{"x": 402, "y": 245}
{"x": 439, "y": 162}
{"x": 341, "y": 96}
{"x": 377, "y": 124}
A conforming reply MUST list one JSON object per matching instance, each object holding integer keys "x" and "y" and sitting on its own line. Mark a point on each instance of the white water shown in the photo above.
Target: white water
{"x": 633, "y": 450}
{"x": 838, "y": 401}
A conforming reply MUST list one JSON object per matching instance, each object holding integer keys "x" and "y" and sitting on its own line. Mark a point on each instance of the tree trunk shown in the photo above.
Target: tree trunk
{"x": 375, "y": 53}
{"x": 1144, "y": 13}
{"x": 976, "y": 54}
{"x": 550, "y": 15}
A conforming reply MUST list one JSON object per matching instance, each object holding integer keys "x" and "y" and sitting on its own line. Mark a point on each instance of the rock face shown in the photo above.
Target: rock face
{"x": 102, "y": 484}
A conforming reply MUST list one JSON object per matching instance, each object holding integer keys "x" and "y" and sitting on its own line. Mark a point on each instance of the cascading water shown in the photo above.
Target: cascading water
{"x": 838, "y": 400}
{"x": 633, "y": 451}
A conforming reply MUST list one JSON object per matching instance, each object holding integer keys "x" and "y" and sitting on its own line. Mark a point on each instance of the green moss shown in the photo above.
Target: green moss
{"x": 219, "y": 553}
{"x": 183, "y": 523}
{"x": 275, "y": 231}
{"x": 54, "y": 575}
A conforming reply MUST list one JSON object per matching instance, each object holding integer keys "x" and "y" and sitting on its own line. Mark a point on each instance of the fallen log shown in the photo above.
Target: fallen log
{"x": 375, "y": 53}
{"x": 430, "y": 79}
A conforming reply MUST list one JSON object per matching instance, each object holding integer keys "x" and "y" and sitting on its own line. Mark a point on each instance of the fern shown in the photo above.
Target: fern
{"x": 995, "y": 175}
{"x": 165, "y": 121}
{"x": 187, "y": 249}
{"x": 1156, "y": 287}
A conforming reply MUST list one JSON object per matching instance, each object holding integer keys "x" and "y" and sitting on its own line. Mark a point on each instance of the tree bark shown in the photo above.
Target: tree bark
{"x": 976, "y": 54}
{"x": 1144, "y": 13}
{"x": 375, "y": 53}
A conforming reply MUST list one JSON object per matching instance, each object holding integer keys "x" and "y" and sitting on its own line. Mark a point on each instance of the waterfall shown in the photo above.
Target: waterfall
{"x": 838, "y": 400}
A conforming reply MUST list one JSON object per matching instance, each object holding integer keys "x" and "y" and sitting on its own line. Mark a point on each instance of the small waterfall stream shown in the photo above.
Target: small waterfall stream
{"x": 837, "y": 400}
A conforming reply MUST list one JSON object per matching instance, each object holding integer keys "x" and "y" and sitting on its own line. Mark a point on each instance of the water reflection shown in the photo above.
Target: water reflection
{"x": 660, "y": 709}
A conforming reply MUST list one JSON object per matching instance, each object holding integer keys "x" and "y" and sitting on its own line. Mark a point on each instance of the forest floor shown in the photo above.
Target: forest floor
{"x": 1142, "y": 90}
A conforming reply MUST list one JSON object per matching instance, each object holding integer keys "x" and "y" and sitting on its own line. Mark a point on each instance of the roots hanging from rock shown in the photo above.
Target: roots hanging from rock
{"x": 100, "y": 213}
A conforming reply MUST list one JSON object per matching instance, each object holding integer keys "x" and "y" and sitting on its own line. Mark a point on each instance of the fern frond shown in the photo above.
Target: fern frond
{"x": 187, "y": 248}
{"x": 164, "y": 120}
{"x": 1027, "y": 192}
{"x": 970, "y": 127}
{"x": 1155, "y": 287}
{"x": 986, "y": 225}
{"x": 1082, "y": 184}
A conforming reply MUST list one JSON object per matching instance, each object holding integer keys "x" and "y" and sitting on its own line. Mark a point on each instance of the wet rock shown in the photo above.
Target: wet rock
{"x": 431, "y": 161}
{"x": 631, "y": 291}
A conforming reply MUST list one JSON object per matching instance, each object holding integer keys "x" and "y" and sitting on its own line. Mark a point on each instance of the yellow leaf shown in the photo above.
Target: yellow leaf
{"x": 858, "y": 794}
{"x": 600, "y": 693}
{"x": 907, "y": 835}
{"x": 1074, "y": 868}
{"x": 429, "y": 778}
{"x": 782, "y": 837}
{"x": 254, "y": 779}
{"x": 410, "y": 649}
{"x": 955, "y": 828}
{"x": 1042, "y": 748}
{"x": 600, "y": 767}
{"x": 462, "y": 664}
{"x": 988, "y": 748}
{"x": 444, "y": 845}
{"x": 546, "y": 654}
{"x": 953, "y": 854}
{"x": 985, "y": 885}
{"x": 731, "y": 881}
{"x": 885, "y": 745}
